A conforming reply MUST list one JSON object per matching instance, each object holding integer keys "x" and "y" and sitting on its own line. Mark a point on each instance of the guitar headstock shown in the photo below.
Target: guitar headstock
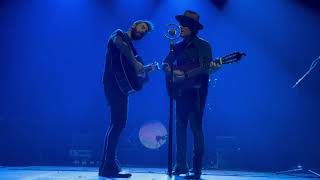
{"x": 152, "y": 67}
{"x": 232, "y": 58}
{"x": 156, "y": 65}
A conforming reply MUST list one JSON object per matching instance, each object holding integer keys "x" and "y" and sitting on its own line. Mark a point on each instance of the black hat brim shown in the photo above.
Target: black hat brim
{"x": 188, "y": 21}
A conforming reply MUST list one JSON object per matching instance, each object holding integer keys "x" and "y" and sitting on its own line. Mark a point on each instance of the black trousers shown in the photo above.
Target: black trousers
{"x": 189, "y": 108}
{"x": 118, "y": 104}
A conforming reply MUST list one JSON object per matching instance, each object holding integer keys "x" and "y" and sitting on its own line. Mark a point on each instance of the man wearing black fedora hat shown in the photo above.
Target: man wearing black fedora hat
{"x": 191, "y": 52}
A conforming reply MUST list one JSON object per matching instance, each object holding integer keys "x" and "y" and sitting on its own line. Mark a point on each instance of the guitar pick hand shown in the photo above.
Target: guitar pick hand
{"x": 178, "y": 72}
{"x": 139, "y": 67}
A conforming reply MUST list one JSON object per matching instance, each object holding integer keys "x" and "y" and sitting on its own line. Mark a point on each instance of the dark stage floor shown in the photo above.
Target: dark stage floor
{"x": 69, "y": 173}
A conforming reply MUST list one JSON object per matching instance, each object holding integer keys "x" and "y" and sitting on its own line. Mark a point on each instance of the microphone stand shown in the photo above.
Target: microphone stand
{"x": 300, "y": 168}
{"x": 312, "y": 66}
{"x": 170, "y": 131}
{"x": 172, "y": 34}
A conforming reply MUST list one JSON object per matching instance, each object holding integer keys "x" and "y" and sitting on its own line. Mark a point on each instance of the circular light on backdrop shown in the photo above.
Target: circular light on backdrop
{"x": 153, "y": 135}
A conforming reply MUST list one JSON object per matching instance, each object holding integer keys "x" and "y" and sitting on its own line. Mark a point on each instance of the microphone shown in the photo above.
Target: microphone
{"x": 172, "y": 32}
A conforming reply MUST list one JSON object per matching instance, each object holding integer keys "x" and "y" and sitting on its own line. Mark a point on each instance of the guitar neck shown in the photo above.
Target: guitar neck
{"x": 150, "y": 68}
{"x": 206, "y": 69}
{"x": 203, "y": 69}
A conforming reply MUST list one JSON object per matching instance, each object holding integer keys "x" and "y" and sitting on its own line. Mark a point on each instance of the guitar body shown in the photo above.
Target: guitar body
{"x": 127, "y": 78}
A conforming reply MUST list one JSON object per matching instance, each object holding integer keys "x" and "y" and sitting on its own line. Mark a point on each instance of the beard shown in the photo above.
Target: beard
{"x": 135, "y": 34}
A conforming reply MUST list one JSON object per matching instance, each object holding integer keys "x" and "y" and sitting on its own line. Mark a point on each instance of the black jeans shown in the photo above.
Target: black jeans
{"x": 118, "y": 104}
{"x": 189, "y": 107}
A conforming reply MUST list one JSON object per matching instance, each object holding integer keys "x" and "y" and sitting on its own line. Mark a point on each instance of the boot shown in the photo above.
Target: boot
{"x": 195, "y": 173}
{"x": 112, "y": 169}
{"x": 180, "y": 169}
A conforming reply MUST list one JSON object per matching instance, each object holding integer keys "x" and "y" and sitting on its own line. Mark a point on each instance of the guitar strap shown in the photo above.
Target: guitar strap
{"x": 197, "y": 49}
{"x": 199, "y": 84}
{"x": 133, "y": 49}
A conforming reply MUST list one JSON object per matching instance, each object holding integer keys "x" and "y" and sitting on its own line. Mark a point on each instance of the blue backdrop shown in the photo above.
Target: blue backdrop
{"x": 52, "y": 60}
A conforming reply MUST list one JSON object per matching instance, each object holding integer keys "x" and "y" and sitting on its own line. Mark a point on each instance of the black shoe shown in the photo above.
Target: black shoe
{"x": 193, "y": 175}
{"x": 109, "y": 167}
{"x": 100, "y": 170}
{"x": 115, "y": 175}
{"x": 180, "y": 170}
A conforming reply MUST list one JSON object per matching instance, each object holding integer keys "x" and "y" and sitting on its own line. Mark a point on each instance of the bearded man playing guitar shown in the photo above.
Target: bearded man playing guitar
{"x": 124, "y": 73}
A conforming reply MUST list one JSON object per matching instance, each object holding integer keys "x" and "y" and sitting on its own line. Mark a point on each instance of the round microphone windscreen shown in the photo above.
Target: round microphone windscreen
{"x": 172, "y": 32}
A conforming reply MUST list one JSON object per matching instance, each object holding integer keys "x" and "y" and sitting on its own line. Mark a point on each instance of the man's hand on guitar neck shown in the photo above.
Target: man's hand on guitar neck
{"x": 216, "y": 65}
{"x": 139, "y": 67}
